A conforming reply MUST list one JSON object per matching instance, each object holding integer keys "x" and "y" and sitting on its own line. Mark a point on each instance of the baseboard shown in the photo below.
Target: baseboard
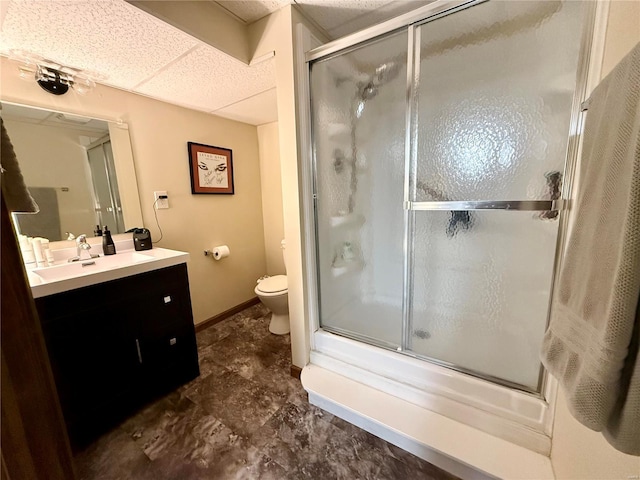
{"x": 226, "y": 314}
{"x": 296, "y": 372}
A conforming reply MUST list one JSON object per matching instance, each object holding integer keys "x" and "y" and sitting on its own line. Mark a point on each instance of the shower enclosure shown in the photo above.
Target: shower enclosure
{"x": 108, "y": 206}
{"x": 441, "y": 153}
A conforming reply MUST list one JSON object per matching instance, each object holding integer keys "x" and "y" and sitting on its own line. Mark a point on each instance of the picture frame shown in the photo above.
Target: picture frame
{"x": 211, "y": 169}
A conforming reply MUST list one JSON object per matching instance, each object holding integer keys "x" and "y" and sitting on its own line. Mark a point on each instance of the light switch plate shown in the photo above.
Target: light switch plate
{"x": 161, "y": 203}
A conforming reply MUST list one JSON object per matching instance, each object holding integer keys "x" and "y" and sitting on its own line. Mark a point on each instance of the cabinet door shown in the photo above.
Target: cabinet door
{"x": 93, "y": 356}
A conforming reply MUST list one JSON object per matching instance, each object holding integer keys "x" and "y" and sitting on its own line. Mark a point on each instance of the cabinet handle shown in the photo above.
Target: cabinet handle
{"x": 139, "y": 353}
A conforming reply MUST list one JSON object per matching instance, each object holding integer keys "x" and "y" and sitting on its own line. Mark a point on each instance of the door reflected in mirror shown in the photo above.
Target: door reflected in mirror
{"x": 68, "y": 165}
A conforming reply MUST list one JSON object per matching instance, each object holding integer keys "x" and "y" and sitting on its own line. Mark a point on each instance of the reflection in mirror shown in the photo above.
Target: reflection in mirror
{"x": 68, "y": 165}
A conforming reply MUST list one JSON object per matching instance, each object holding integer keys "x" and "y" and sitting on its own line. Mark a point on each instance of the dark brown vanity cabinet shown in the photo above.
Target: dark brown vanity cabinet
{"x": 116, "y": 345}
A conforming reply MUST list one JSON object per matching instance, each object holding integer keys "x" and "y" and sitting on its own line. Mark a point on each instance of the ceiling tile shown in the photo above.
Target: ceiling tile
{"x": 207, "y": 79}
{"x": 252, "y": 10}
{"x": 109, "y": 37}
{"x": 256, "y": 110}
{"x": 343, "y": 17}
{"x": 330, "y": 14}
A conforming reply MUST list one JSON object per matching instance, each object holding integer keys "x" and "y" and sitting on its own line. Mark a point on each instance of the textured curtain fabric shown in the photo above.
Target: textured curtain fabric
{"x": 591, "y": 345}
{"x": 16, "y": 195}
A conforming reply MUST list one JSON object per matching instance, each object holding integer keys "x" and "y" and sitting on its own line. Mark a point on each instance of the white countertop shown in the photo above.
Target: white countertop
{"x": 65, "y": 276}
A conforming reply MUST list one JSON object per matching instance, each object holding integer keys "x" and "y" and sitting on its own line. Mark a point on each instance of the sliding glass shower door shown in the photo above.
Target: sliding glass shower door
{"x": 359, "y": 119}
{"x": 439, "y": 154}
{"x": 494, "y": 86}
{"x": 108, "y": 206}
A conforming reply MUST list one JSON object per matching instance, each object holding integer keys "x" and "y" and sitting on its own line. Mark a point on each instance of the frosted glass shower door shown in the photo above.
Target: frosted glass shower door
{"x": 491, "y": 114}
{"x": 105, "y": 187}
{"x": 358, "y": 118}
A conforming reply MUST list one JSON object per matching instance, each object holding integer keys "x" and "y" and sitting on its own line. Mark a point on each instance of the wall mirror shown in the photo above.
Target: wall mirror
{"x": 78, "y": 169}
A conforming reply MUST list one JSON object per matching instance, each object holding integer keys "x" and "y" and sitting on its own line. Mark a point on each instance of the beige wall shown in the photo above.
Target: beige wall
{"x": 159, "y": 134}
{"x": 577, "y": 452}
{"x": 276, "y": 33}
{"x": 623, "y": 32}
{"x": 271, "y": 182}
{"x": 43, "y": 163}
{"x": 273, "y": 33}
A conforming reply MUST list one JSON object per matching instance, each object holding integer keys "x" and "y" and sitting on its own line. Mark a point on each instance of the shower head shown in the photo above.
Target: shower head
{"x": 368, "y": 91}
{"x": 383, "y": 74}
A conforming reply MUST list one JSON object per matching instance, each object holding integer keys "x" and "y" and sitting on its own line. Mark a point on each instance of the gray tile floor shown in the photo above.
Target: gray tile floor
{"x": 245, "y": 417}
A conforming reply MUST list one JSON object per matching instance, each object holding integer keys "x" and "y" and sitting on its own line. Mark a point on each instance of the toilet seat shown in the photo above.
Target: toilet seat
{"x": 272, "y": 285}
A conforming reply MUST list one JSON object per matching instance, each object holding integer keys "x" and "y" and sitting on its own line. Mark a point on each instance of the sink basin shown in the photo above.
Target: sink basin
{"x": 88, "y": 267}
{"x": 69, "y": 276}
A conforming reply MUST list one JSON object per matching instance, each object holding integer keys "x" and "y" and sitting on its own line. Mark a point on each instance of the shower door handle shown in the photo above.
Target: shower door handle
{"x": 515, "y": 205}
{"x": 554, "y": 185}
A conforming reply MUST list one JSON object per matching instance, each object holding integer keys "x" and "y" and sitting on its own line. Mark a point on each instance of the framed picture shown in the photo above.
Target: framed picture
{"x": 211, "y": 169}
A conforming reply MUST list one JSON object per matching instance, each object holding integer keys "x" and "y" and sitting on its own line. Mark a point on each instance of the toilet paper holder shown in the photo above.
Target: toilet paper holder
{"x": 218, "y": 253}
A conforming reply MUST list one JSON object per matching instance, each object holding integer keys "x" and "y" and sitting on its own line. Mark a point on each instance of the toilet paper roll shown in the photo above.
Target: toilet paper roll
{"x": 221, "y": 251}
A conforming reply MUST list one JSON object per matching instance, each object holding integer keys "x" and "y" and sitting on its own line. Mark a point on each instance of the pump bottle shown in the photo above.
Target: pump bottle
{"x": 108, "y": 247}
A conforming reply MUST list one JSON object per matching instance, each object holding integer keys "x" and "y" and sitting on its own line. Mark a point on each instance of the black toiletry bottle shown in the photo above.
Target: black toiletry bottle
{"x": 97, "y": 232}
{"x": 108, "y": 247}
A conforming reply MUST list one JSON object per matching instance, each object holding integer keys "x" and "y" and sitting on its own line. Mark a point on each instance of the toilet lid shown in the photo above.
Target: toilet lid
{"x": 275, "y": 284}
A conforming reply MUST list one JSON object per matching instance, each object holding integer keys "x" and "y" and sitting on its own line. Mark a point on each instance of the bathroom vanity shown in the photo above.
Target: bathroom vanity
{"x": 117, "y": 336}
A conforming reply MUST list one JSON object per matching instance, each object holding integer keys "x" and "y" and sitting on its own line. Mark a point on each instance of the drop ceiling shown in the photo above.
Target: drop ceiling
{"x": 127, "y": 48}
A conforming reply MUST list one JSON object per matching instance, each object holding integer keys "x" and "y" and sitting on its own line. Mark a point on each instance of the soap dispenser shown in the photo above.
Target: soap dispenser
{"x": 108, "y": 247}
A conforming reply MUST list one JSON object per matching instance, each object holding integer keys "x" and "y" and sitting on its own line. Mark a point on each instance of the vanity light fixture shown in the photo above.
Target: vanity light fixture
{"x": 51, "y": 76}
{"x": 53, "y": 81}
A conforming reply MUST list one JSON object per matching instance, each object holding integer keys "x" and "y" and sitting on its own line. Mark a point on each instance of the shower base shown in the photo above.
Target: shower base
{"x": 458, "y": 448}
{"x": 512, "y": 415}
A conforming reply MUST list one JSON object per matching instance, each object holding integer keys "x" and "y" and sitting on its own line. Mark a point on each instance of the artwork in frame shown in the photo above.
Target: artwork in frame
{"x": 211, "y": 169}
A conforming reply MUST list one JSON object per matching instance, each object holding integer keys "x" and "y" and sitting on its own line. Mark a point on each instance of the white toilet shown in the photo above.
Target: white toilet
{"x": 273, "y": 292}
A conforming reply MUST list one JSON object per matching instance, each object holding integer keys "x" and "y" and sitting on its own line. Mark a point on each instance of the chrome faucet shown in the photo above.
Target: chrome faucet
{"x": 82, "y": 250}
